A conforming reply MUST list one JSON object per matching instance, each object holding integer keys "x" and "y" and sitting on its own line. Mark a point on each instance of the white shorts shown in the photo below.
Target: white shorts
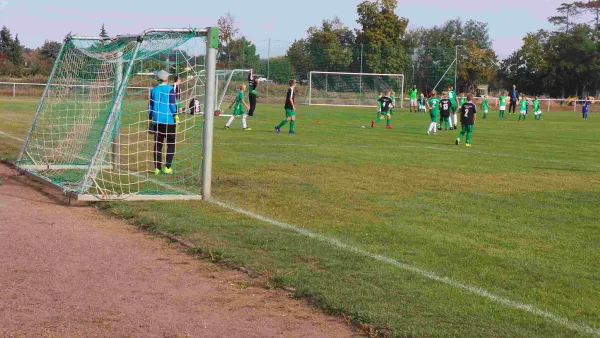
{"x": 502, "y": 107}
{"x": 422, "y": 107}
{"x": 486, "y": 111}
{"x": 538, "y": 112}
{"x": 413, "y": 103}
{"x": 523, "y": 112}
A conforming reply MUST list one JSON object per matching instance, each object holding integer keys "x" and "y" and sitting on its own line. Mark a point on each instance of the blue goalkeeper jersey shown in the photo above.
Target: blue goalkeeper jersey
{"x": 163, "y": 106}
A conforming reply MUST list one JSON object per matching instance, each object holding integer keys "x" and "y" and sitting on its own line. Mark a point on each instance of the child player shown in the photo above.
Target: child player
{"x": 537, "y": 111}
{"x": 422, "y": 103}
{"x": 523, "y": 114}
{"x": 454, "y": 101}
{"x": 445, "y": 112}
{"x": 238, "y": 105}
{"x": 485, "y": 106}
{"x": 468, "y": 116}
{"x": 433, "y": 105}
{"x": 290, "y": 109}
{"x": 502, "y": 104}
{"x": 379, "y": 104}
{"x": 387, "y": 103}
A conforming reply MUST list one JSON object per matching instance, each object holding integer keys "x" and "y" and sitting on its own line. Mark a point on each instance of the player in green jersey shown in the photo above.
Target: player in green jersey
{"x": 413, "y": 93}
{"x": 238, "y": 105}
{"x": 422, "y": 104}
{"x": 485, "y": 106}
{"x": 433, "y": 105}
{"x": 537, "y": 111}
{"x": 523, "y": 114}
{"x": 502, "y": 104}
{"x": 454, "y": 101}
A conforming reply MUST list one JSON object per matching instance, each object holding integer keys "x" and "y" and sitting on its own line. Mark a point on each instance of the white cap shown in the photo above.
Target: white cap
{"x": 163, "y": 76}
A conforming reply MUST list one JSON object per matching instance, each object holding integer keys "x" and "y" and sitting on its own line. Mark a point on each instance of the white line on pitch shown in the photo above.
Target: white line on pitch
{"x": 416, "y": 270}
{"x": 11, "y": 136}
{"x": 358, "y": 146}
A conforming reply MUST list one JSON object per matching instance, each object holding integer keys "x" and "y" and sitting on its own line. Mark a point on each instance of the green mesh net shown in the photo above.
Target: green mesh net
{"x": 90, "y": 133}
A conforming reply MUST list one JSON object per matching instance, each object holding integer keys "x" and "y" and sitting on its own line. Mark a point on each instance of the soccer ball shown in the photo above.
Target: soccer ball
{"x": 217, "y": 112}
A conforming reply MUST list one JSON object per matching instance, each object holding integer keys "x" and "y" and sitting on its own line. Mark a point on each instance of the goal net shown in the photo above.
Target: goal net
{"x": 228, "y": 83}
{"x": 352, "y": 89}
{"x": 91, "y": 132}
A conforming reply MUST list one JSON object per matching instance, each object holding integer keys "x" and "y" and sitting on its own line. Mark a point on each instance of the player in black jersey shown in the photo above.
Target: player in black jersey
{"x": 252, "y": 87}
{"x": 468, "y": 116}
{"x": 387, "y": 104}
{"x": 445, "y": 106}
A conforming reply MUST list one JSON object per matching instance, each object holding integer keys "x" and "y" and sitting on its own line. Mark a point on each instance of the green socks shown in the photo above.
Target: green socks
{"x": 293, "y": 126}
{"x": 283, "y": 123}
{"x": 378, "y": 119}
{"x": 389, "y": 122}
{"x": 469, "y": 137}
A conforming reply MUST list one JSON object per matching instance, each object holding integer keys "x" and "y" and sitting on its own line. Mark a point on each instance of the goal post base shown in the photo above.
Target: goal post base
{"x": 130, "y": 198}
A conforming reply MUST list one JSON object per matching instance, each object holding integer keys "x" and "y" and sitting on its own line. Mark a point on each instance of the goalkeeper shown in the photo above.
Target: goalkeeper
{"x": 163, "y": 121}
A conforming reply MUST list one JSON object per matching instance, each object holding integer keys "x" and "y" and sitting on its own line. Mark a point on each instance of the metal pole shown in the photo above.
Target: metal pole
{"x": 116, "y": 146}
{"x": 212, "y": 44}
{"x": 268, "y": 67}
{"x": 14, "y": 89}
{"x": 361, "y": 71}
{"x": 455, "y": 66}
{"x": 309, "y": 88}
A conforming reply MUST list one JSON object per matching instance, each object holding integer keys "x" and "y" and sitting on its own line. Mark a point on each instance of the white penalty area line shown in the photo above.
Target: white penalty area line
{"x": 358, "y": 146}
{"x": 418, "y": 271}
{"x": 11, "y": 136}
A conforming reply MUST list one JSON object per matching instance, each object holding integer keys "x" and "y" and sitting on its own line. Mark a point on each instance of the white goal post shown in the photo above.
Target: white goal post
{"x": 351, "y": 89}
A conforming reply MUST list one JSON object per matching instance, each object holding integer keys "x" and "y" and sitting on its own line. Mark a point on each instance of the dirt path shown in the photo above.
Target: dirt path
{"x": 69, "y": 271}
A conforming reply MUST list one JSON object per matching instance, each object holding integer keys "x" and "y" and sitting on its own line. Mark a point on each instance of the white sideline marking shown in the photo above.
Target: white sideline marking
{"x": 358, "y": 146}
{"x": 424, "y": 273}
{"x": 10, "y": 136}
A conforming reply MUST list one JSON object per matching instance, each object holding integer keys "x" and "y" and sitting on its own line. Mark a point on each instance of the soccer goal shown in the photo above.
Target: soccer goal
{"x": 352, "y": 89}
{"x": 91, "y": 132}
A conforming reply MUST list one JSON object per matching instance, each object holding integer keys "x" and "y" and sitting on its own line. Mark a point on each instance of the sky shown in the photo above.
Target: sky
{"x": 260, "y": 20}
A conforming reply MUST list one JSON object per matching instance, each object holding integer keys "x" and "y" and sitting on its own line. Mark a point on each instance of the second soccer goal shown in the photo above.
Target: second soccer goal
{"x": 352, "y": 89}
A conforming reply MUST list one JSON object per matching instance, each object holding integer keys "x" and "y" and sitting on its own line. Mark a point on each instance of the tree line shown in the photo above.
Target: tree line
{"x": 559, "y": 62}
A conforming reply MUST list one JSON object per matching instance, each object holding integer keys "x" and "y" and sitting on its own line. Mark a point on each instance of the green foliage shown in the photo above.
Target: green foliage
{"x": 279, "y": 69}
{"x": 383, "y": 32}
{"x": 330, "y": 47}
{"x": 242, "y": 54}
{"x": 103, "y": 33}
{"x": 299, "y": 58}
{"x": 50, "y": 50}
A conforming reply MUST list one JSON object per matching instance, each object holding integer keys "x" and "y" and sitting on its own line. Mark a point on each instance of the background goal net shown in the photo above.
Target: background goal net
{"x": 352, "y": 89}
{"x": 90, "y": 132}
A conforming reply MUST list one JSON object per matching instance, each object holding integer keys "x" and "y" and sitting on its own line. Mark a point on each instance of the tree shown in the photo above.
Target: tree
{"x": 50, "y": 50}
{"x": 103, "y": 33}
{"x": 227, "y": 32}
{"x": 477, "y": 31}
{"x": 15, "y": 55}
{"x": 592, "y": 7}
{"x": 568, "y": 11}
{"x": 330, "y": 46}
{"x": 242, "y": 54}
{"x": 476, "y": 65}
{"x": 383, "y": 32}
{"x": 279, "y": 69}
{"x": 6, "y": 40}
{"x": 299, "y": 58}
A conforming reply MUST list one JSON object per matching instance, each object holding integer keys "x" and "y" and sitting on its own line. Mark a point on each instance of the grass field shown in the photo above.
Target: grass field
{"x": 408, "y": 232}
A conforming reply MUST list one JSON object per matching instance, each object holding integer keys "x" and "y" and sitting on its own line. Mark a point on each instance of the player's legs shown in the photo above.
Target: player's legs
{"x": 244, "y": 122}
{"x": 228, "y": 124}
{"x": 292, "y": 124}
{"x": 461, "y": 134}
{"x": 388, "y": 122}
{"x": 252, "y": 99}
{"x": 159, "y": 138}
{"x": 171, "y": 142}
{"x": 485, "y": 112}
{"x": 469, "y": 133}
